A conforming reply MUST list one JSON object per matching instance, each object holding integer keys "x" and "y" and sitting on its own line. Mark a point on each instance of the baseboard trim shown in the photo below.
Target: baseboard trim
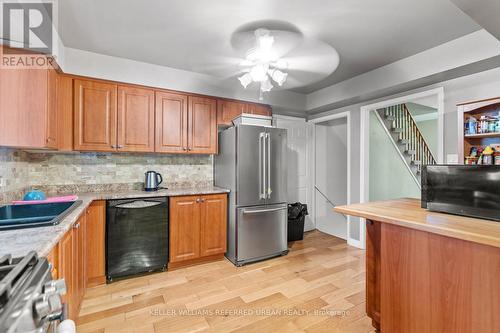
{"x": 192, "y": 262}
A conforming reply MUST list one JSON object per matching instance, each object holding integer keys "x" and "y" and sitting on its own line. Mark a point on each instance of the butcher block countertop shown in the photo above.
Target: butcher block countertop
{"x": 408, "y": 213}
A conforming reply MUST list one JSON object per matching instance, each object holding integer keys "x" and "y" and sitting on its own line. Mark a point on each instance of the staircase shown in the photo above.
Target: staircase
{"x": 406, "y": 137}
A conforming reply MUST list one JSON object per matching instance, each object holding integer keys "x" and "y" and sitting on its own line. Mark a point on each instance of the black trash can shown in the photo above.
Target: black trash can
{"x": 296, "y": 216}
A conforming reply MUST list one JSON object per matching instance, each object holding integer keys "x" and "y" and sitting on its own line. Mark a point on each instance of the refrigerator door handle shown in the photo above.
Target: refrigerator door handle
{"x": 258, "y": 211}
{"x": 268, "y": 151}
{"x": 262, "y": 166}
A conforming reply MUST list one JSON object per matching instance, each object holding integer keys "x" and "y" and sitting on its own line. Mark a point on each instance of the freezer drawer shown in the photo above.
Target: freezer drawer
{"x": 261, "y": 232}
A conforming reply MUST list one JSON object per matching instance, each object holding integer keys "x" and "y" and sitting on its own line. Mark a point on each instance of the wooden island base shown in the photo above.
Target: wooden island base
{"x": 421, "y": 281}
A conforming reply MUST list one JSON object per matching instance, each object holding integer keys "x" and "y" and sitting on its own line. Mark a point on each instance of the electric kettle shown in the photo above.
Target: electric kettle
{"x": 152, "y": 181}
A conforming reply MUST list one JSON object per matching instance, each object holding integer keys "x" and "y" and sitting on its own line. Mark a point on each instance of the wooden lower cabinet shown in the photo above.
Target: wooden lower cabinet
{"x": 79, "y": 257}
{"x": 71, "y": 266}
{"x": 418, "y": 281}
{"x": 197, "y": 228}
{"x": 184, "y": 228}
{"x": 213, "y": 225}
{"x": 66, "y": 270}
{"x": 53, "y": 259}
{"x": 95, "y": 243}
{"x": 79, "y": 253}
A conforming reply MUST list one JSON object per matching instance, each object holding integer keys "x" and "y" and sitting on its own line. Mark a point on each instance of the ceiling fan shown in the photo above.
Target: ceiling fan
{"x": 262, "y": 65}
{"x": 268, "y": 55}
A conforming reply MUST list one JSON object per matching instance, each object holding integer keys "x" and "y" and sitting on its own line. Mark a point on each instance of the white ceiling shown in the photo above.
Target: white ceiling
{"x": 193, "y": 34}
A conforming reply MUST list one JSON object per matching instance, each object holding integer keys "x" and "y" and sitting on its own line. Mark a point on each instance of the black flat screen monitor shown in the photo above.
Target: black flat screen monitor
{"x": 469, "y": 190}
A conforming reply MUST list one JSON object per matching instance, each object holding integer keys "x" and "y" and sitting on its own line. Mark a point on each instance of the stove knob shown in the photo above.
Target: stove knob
{"x": 55, "y": 303}
{"x": 42, "y": 307}
{"x": 55, "y": 287}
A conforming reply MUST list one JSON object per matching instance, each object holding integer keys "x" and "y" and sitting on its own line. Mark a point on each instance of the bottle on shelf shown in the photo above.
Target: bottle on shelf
{"x": 471, "y": 126}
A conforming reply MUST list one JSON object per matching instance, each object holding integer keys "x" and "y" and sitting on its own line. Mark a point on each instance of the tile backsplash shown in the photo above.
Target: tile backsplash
{"x": 14, "y": 173}
{"x": 21, "y": 170}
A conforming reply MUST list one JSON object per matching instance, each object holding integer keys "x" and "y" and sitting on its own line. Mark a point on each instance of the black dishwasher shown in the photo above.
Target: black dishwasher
{"x": 136, "y": 236}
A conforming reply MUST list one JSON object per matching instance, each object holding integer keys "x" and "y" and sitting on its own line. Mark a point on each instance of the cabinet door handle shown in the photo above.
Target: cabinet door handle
{"x": 113, "y": 146}
{"x": 119, "y": 146}
{"x": 77, "y": 226}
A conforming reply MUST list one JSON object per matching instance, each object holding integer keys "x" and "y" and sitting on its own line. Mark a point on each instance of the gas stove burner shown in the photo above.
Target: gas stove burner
{"x": 30, "y": 300}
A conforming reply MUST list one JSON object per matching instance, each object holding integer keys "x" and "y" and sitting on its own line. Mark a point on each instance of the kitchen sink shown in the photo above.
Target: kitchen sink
{"x": 35, "y": 215}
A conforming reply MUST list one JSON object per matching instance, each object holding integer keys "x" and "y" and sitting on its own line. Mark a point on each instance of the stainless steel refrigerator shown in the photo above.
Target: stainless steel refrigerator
{"x": 252, "y": 164}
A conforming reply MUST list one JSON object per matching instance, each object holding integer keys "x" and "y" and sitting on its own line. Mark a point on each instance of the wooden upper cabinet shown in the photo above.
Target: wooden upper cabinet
{"x": 184, "y": 228}
{"x": 171, "y": 115}
{"x": 136, "y": 119}
{"x": 259, "y": 109}
{"x": 228, "y": 110}
{"x": 95, "y": 116}
{"x": 26, "y": 109}
{"x": 64, "y": 112}
{"x": 52, "y": 114}
{"x": 213, "y": 224}
{"x": 202, "y": 125}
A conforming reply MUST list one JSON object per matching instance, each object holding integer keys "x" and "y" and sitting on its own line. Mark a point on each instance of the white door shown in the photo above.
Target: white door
{"x": 299, "y": 153}
{"x": 331, "y": 176}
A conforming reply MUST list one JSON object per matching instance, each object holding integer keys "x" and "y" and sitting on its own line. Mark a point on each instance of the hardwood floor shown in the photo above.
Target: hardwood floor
{"x": 318, "y": 287}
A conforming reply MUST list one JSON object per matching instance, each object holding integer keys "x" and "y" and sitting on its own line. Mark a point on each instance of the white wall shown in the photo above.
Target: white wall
{"x": 459, "y": 52}
{"x": 389, "y": 177}
{"x": 331, "y": 175}
{"x": 101, "y": 66}
{"x": 468, "y": 88}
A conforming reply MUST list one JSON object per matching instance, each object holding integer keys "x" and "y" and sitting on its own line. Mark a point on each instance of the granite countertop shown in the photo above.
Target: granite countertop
{"x": 20, "y": 241}
{"x": 408, "y": 213}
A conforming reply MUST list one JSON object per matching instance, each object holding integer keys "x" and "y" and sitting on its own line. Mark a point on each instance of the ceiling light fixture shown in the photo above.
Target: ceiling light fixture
{"x": 262, "y": 64}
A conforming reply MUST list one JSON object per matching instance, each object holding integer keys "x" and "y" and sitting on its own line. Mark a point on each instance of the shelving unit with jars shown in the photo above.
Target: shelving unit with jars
{"x": 481, "y": 144}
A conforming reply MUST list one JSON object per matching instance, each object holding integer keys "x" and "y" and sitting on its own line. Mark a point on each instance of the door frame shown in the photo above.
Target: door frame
{"x": 315, "y": 122}
{"x": 364, "y": 150}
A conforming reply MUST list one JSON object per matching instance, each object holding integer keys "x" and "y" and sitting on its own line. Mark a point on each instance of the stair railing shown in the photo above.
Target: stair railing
{"x": 327, "y": 199}
{"x": 411, "y": 134}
